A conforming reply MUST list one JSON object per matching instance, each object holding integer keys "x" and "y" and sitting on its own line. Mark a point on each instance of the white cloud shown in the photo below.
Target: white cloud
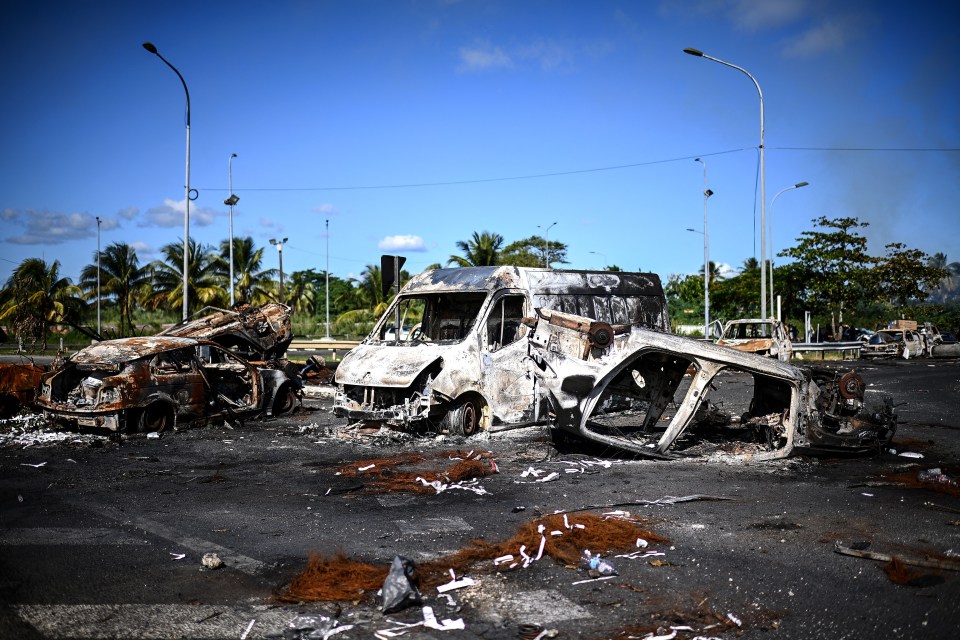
{"x": 128, "y": 213}
{"x": 54, "y": 227}
{"x": 402, "y": 243}
{"x": 483, "y": 56}
{"x": 828, "y": 36}
{"x": 145, "y": 252}
{"x": 751, "y": 15}
{"x": 326, "y": 209}
{"x": 170, "y": 214}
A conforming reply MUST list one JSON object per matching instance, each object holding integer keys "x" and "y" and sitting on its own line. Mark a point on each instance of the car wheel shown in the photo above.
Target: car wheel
{"x": 464, "y": 418}
{"x": 156, "y": 417}
{"x": 285, "y": 402}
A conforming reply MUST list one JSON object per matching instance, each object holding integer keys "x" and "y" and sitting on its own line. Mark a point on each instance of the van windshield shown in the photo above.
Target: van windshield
{"x": 435, "y": 317}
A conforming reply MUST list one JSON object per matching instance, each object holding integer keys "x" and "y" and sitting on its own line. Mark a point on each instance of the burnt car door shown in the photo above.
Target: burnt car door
{"x": 507, "y": 379}
{"x": 234, "y": 384}
{"x": 176, "y": 374}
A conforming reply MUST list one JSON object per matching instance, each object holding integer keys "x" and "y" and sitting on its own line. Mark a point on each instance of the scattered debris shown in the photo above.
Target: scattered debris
{"x": 400, "y": 586}
{"x": 382, "y": 475}
{"x": 211, "y": 561}
{"x": 561, "y": 537}
{"x": 928, "y": 562}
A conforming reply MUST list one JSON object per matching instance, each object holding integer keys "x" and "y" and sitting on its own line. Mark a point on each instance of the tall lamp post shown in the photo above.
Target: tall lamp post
{"x": 546, "y": 244}
{"x": 327, "y": 274}
{"x": 602, "y": 255}
{"x": 279, "y": 245}
{"x": 763, "y": 195}
{"x": 186, "y": 217}
{"x": 770, "y": 235}
{"x": 706, "y": 253}
{"x": 230, "y": 201}
{"x": 99, "y": 333}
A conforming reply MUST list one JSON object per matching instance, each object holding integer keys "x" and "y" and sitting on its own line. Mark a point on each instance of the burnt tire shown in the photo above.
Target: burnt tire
{"x": 156, "y": 417}
{"x": 463, "y": 419}
{"x": 285, "y": 402}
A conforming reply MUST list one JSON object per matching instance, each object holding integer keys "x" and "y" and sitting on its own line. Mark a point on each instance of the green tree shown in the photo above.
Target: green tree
{"x": 482, "y": 250}
{"x": 739, "y": 296}
{"x": 301, "y": 292}
{"x": 122, "y": 280}
{"x": 205, "y": 284}
{"x": 835, "y": 264}
{"x": 36, "y": 296}
{"x": 905, "y": 275}
{"x": 534, "y": 252}
{"x": 684, "y": 298}
{"x": 366, "y": 301}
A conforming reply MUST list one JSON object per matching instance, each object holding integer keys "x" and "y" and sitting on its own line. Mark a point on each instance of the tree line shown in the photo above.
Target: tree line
{"x": 831, "y": 274}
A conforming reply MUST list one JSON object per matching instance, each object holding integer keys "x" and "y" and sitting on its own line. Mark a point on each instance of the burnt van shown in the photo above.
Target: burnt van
{"x": 465, "y": 363}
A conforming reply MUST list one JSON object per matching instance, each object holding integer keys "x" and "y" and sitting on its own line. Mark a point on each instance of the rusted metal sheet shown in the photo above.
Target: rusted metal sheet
{"x": 763, "y": 337}
{"x": 650, "y": 393}
{"x": 467, "y": 354}
{"x": 256, "y": 332}
{"x": 18, "y": 384}
{"x": 156, "y": 383}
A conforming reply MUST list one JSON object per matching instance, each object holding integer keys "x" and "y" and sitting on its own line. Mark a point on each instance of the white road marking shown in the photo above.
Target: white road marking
{"x": 543, "y": 607}
{"x": 425, "y": 526}
{"x": 230, "y": 557}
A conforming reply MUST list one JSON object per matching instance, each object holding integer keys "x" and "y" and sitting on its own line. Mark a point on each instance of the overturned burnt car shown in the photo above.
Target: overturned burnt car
{"x": 157, "y": 383}
{"x": 661, "y": 395}
{"x": 257, "y": 333}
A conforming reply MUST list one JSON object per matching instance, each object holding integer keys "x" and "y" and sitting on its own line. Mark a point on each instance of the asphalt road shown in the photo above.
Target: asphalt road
{"x": 105, "y": 540}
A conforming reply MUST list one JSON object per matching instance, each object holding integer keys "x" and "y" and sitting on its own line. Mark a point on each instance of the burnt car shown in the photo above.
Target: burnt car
{"x": 157, "y": 383}
{"x": 258, "y": 333}
{"x": 18, "y": 385}
{"x": 763, "y": 337}
{"x": 894, "y": 343}
{"x": 665, "y": 396}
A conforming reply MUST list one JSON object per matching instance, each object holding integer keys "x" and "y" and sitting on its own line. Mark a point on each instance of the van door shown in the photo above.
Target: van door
{"x": 507, "y": 378}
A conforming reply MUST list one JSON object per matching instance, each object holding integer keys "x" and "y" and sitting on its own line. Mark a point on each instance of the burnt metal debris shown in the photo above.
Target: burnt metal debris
{"x": 648, "y": 392}
{"x": 257, "y": 333}
{"x": 158, "y": 383}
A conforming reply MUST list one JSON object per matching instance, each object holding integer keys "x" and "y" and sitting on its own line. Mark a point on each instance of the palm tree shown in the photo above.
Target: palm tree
{"x": 252, "y": 283}
{"x": 715, "y": 273}
{"x": 482, "y": 250}
{"x": 205, "y": 284}
{"x": 301, "y": 292}
{"x": 949, "y": 284}
{"x": 366, "y": 298}
{"x": 35, "y": 297}
{"x": 120, "y": 277}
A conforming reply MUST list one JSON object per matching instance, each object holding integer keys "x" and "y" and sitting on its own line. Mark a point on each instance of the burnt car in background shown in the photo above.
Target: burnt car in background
{"x": 160, "y": 382}
{"x": 666, "y": 396}
{"x": 18, "y": 385}
{"x": 894, "y": 343}
{"x": 762, "y": 337}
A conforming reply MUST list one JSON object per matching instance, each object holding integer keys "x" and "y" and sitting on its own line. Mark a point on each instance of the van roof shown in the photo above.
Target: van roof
{"x": 539, "y": 280}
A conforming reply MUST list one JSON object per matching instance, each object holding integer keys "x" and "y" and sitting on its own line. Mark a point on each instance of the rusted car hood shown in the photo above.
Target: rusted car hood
{"x": 384, "y": 366}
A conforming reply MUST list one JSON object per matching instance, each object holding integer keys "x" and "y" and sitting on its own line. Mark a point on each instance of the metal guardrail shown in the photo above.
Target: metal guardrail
{"x": 823, "y": 347}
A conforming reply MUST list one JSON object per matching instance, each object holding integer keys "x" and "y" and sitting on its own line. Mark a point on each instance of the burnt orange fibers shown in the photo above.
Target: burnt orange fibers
{"x": 386, "y": 477}
{"x": 338, "y": 577}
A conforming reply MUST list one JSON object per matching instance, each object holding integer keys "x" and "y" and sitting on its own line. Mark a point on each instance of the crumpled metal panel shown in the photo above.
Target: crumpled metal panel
{"x": 18, "y": 383}
{"x": 111, "y": 352}
{"x": 387, "y": 366}
{"x": 262, "y": 331}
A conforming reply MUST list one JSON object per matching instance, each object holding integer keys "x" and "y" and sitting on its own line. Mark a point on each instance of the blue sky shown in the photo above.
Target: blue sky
{"x": 411, "y": 124}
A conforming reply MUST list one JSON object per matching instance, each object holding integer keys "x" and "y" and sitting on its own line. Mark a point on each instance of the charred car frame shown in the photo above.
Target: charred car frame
{"x": 157, "y": 383}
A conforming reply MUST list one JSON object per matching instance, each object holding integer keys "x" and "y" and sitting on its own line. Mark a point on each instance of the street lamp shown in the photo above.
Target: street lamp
{"x": 279, "y": 245}
{"x": 99, "y": 333}
{"x": 232, "y": 200}
{"x": 770, "y": 235}
{"x": 706, "y": 253}
{"x": 327, "y": 274}
{"x": 763, "y": 196}
{"x": 186, "y": 217}
{"x": 546, "y": 244}
{"x": 602, "y": 255}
